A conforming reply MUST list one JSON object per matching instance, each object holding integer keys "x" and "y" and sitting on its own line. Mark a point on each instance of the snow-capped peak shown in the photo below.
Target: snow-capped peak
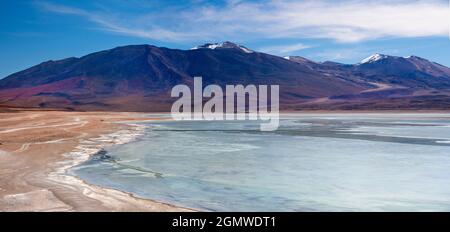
{"x": 298, "y": 59}
{"x": 225, "y": 44}
{"x": 373, "y": 58}
{"x": 207, "y": 45}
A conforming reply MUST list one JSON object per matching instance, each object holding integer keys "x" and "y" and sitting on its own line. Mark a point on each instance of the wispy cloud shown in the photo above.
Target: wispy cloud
{"x": 285, "y": 49}
{"x": 121, "y": 25}
{"x": 343, "y": 21}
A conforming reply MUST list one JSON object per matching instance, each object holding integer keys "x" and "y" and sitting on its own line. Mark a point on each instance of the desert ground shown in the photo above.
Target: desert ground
{"x": 33, "y": 162}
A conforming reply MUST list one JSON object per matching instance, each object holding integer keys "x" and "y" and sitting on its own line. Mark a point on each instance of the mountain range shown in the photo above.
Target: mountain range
{"x": 140, "y": 78}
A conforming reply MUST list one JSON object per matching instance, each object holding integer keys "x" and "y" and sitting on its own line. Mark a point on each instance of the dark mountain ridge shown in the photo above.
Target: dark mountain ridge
{"x": 140, "y": 77}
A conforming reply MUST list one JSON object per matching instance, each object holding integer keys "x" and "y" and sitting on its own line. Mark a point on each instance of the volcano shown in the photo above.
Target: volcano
{"x": 140, "y": 78}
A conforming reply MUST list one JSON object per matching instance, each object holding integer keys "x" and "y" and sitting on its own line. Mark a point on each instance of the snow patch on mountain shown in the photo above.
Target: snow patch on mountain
{"x": 223, "y": 45}
{"x": 373, "y": 58}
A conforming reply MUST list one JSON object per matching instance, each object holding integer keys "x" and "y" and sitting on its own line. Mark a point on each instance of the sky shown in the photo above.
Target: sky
{"x": 32, "y": 32}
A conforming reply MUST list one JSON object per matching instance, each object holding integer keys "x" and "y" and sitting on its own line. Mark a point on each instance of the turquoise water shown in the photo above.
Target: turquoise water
{"x": 363, "y": 162}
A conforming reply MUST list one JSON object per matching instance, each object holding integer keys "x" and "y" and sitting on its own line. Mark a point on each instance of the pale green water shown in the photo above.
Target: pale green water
{"x": 312, "y": 163}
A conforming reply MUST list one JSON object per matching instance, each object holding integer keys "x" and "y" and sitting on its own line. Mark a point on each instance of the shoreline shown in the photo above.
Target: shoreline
{"x": 37, "y": 185}
{"x": 84, "y": 151}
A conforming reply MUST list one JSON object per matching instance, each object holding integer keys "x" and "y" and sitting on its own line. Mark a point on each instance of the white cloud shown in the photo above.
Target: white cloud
{"x": 343, "y": 21}
{"x": 120, "y": 25}
{"x": 284, "y": 49}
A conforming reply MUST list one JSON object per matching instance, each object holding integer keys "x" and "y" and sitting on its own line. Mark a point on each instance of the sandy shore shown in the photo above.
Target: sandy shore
{"x": 37, "y": 148}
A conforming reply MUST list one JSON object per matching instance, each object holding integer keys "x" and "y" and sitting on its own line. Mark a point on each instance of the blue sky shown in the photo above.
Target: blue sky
{"x": 344, "y": 31}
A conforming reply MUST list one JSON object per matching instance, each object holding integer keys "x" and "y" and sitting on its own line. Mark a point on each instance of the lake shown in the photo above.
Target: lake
{"x": 313, "y": 162}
